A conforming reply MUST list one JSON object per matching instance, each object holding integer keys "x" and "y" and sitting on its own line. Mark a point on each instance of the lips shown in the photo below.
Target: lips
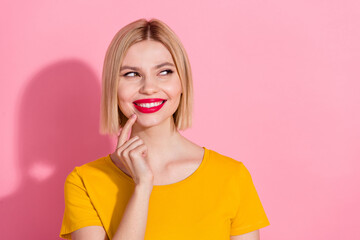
{"x": 149, "y": 109}
{"x": 149, "y": 100}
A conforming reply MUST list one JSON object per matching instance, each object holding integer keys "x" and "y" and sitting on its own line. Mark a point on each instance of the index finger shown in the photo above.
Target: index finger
{"x": 125, "y": 130}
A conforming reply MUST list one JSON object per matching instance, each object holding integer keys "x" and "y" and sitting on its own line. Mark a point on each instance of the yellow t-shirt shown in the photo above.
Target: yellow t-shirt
{"x": 218, "y": 200}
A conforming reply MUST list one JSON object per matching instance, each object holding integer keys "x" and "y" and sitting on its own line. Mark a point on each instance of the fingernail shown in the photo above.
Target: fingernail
{"x": 134, "y": 115}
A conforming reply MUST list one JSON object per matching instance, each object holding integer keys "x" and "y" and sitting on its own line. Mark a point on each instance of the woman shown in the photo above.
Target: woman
{"x": 156, "y": 184}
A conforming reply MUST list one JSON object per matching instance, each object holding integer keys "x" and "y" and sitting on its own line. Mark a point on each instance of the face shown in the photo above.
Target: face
{"x": 148, "y": 73}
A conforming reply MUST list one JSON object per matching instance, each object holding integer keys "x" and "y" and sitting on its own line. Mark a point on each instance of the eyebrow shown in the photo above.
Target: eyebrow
{"x": 155, "y": 67}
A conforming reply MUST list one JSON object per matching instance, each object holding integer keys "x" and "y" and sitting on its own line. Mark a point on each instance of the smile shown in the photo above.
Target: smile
{"x": 149, "y": 107}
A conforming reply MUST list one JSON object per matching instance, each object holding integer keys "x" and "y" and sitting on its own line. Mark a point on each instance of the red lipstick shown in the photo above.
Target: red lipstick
{"x": 149, "y": 109}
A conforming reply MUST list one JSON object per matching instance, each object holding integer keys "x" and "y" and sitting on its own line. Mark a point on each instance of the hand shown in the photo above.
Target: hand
{"x": 132, "y": 155}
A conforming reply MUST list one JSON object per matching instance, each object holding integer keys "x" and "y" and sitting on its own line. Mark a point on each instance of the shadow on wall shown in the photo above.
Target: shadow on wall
{"x": 58, "y": 122}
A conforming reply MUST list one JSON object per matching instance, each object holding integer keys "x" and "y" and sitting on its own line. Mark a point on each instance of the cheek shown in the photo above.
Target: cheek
{"x": 125, "y": 92}
{"x": 124, "y": 100}
{"x": 174, "y": 89}
{"x": 121, "y": 96}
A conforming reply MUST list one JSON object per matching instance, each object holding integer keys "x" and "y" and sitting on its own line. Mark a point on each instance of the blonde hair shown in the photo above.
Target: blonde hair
{"x": 111, "y": 117}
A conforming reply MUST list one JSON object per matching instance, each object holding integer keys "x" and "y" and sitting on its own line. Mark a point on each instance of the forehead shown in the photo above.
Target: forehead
{"x": 147, "y": 53}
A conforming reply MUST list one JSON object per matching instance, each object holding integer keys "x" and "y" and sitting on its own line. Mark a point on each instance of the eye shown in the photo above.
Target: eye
{"x": 167, "y": 70}
{"x": 127, "y": 74}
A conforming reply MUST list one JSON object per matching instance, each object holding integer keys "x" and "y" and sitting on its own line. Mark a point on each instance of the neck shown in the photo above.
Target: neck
{"x": 161, "y": 141}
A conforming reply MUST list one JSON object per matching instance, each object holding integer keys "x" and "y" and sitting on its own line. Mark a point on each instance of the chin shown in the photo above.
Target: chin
{"x": 150, "y": 121}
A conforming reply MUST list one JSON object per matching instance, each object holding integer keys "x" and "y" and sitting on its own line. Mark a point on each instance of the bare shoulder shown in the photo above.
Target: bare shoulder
{"x": 193, "y": 153}
{"x": 197, "y": 151}
{"x": 192, "y": 157}
{"x": 89, "y": 233}
{"x": 254, "y": 235}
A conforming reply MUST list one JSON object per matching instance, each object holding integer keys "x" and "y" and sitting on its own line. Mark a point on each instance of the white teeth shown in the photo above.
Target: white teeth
{"x": 149, "y": 105}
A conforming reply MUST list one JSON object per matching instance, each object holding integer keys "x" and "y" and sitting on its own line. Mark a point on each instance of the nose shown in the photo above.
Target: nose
{"x": 149, "y": 85}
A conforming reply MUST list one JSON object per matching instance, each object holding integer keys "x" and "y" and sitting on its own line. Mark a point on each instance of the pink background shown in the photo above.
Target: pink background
{"x": 276, "y": 87}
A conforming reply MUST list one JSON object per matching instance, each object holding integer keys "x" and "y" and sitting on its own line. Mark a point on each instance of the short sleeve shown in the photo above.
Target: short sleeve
{"x": 79, "y": 210}
{"x": 250, "y": 215}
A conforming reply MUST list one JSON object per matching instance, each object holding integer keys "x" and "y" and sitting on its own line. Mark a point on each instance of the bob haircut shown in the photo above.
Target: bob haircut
{"x": 111, "y": 117}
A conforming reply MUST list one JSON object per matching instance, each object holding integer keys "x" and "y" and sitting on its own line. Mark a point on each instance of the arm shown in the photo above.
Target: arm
{"x": 131, "y": 154}
{"x": 89, "y": 233}
{"x": 250, "y": 215}
{"x": 254, "y": 235}
{"x": 132, "y": 225}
